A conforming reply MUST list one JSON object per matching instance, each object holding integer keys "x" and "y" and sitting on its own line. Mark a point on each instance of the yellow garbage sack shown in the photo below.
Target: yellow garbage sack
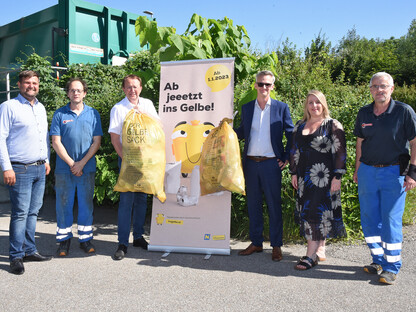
{"x": 144, "y": 158}
{"x": 221, "y": 162}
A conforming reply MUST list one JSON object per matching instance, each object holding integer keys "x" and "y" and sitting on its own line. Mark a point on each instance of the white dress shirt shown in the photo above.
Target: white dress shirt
{"x": 120, "y": 110}
{"x": 260, "y": 140}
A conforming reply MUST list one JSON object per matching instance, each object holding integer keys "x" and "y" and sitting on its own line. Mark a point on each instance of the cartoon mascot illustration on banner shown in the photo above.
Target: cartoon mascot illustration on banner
{"x": 187, "y": 141}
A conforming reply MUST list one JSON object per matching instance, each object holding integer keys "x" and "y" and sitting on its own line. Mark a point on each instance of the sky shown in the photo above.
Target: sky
{"x": 268, "y": 23}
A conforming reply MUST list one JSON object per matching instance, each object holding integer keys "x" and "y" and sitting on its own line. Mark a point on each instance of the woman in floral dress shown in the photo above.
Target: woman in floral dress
{"x": 317, "y": 162}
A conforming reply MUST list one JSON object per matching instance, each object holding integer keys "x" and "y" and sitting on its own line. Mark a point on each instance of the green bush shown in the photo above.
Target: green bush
{"x": 406, "y": 94}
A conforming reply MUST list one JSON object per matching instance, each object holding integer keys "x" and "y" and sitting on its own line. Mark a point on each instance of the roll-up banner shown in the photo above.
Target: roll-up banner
{"x": 194, "y": 97}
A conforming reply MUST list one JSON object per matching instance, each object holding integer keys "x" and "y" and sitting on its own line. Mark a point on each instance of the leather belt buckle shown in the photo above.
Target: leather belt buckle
{"x": 259, "y": 158}
{"x": 36, "y": 163}
{"x": 384, "y": 166}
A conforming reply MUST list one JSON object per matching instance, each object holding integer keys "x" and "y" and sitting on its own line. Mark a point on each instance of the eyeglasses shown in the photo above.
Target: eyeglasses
{"x": 381, "y": 87}
{"x": 75, "y": 91}
{"x": 262, "y": 84}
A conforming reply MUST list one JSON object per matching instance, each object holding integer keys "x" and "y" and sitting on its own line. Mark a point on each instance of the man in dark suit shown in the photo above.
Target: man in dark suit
{"x": 263, "y": 122}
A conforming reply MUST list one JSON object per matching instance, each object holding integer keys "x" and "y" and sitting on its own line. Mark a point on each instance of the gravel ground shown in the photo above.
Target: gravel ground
{"x": 144, "y": 281}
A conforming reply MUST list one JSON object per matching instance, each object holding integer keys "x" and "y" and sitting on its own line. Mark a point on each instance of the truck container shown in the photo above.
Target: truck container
{"x": 73, "y": 31}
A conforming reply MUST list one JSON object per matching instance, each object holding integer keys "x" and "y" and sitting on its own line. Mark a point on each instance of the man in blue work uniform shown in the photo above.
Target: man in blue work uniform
{"x": 24, "y": 160}
{"x": 263, "y": 123}
{"x": 384, "y": 130}
{"x": 76, "y": 137}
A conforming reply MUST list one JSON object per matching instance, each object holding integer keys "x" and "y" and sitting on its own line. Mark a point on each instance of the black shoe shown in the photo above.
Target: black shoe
{"x": 36, "y": 257}
{"x": 140, "y": 242}
{"x": 387, "y": 277}
{"x": 63, "y": 249}
{"x": 16, "y": 266}
{"x": 120, "y": 253}
{"x": 88, "y": 247}
{"x": 373, "y": 268}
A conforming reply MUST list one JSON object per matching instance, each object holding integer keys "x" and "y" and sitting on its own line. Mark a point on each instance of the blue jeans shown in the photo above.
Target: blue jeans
{"x": 136, "y": 202}
{"x": 66, "y": 184}
{"x": 264, "y": 178}
{"x": 26, "y": 197}
{"x": 382, "y": 200}
{"x": 131, "y": 201}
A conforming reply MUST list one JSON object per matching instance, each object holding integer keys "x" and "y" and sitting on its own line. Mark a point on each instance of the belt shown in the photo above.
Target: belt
{"x": 259, "y": 158}
{"x": 383, "y": 166}
{"x": 36, "y": 163}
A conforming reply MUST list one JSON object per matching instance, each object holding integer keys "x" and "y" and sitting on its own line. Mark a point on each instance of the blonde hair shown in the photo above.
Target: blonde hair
{"x": 321, "y": 98}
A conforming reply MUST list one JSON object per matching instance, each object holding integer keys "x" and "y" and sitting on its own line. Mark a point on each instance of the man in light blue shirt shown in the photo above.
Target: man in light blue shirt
{"x": 24, "y": 161}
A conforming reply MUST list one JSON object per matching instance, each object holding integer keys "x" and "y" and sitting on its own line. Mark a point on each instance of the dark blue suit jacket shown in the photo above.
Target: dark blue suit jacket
{"x": 280, "y": 121}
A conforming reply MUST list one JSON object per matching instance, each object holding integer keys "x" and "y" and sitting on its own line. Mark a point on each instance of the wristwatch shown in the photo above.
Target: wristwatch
{"x": 412, "y": 171}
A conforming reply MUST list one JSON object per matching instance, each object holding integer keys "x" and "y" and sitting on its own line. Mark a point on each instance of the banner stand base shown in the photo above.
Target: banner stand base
{"x": 204, "y": 251}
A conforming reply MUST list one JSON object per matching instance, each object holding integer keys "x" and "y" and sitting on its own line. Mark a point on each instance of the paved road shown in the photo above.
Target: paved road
{"x": 144, "y": 281}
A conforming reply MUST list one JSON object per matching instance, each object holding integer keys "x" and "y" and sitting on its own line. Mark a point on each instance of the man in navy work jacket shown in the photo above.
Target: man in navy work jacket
{"x": 24, "y": 160}
{"x": 384, "y": 130}
{"x": 263, "y": 123}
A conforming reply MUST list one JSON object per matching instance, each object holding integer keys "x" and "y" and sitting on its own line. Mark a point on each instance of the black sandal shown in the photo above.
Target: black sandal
{"x": 307, "y": 263}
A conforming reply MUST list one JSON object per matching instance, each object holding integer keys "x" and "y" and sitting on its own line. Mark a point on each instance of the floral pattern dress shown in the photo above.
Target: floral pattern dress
{"x": 316, "y": 158}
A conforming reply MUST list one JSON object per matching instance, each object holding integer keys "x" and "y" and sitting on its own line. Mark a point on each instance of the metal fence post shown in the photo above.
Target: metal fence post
{"x": 8, "y": 85}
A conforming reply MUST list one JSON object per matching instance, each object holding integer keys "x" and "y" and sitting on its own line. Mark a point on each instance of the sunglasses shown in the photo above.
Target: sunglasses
{"x": 262, "y": 84}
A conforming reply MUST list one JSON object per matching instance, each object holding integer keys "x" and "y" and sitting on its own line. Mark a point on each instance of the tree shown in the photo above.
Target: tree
{"x": 359, "y": 58}
{"x": 203, "y": 39}
{"x": 319, "y": 49}
{"x": 406, "y": 52}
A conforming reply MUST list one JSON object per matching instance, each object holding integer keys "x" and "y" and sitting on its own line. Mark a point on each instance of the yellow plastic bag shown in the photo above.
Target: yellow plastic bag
{"x": 220, "y": 161}
{"x": 144, "y": 158}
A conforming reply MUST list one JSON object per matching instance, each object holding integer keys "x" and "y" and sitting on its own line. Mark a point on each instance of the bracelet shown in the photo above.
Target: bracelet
{"x": 412, "y": 171}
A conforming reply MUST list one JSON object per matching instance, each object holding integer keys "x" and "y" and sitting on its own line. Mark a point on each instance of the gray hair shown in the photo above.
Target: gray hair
{"x": 265, "y": 73}
{"x": 382, "y": 74}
